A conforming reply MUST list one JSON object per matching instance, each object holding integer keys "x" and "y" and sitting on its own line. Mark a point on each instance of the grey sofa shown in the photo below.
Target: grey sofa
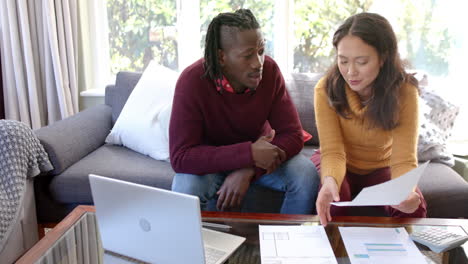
{"x": 76, "y": 148}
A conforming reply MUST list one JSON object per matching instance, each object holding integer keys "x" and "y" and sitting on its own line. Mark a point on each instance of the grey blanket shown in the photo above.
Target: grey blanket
{"x": 21, "y": 156}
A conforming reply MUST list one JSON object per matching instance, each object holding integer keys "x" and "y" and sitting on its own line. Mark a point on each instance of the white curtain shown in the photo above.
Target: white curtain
{"x": 94, "y": 67}
{"x": 188, "y": 27}
{"x": 42, "y": 53}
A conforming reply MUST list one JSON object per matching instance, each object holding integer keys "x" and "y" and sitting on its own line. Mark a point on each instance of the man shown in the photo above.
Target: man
{"x": 233, "y": 123}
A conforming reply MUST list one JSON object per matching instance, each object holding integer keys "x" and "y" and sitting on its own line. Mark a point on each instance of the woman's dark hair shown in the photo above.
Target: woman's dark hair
{"x": 242, "y": 19}
{"x": 377, "y": 32}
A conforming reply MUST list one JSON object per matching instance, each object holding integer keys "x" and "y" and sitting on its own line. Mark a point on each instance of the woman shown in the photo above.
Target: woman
{"x": 366, "y": 109}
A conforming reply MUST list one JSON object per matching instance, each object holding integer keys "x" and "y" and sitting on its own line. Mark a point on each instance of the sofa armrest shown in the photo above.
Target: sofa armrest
{"x": 69, "y": 140}
{"x": 23, "y": 234}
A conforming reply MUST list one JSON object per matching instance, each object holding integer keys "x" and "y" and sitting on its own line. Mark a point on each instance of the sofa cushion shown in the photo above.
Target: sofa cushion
{"x": 143, "y": 124}
{"x": 118, "y": 162}
{"x": 301, "y": 89}
{"x": 111, "y": 161}
{"x": 437, "y": 117}
{"x": 445, "y": 192}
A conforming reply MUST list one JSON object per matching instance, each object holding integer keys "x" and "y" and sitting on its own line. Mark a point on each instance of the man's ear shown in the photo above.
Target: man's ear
{"x": 221, "y": 58}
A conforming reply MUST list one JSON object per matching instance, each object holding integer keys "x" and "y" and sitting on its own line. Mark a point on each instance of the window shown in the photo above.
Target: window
{"x": 263, "y": 11}
{"x": 432, "y": 40}
{"x": 298, "y": 34}
{"x": 314, "y": 25}
{"x": 142, "y": 30}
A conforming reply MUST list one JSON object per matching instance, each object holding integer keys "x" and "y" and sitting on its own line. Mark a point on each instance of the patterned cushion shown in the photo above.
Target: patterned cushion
{"x": 301, "y": 89}
{"x": 437, "y": 117}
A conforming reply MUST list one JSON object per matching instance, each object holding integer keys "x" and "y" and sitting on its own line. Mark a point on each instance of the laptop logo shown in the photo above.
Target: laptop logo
{"x": 145, "y": 225}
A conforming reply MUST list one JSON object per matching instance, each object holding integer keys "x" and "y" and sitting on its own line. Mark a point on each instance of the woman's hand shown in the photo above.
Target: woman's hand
{"x": 328, "y": 193}
{"x": 409, "y": 205}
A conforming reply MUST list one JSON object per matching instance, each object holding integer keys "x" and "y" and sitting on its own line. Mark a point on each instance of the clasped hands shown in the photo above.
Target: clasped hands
{"x": 266, "y": 156}
{"x": 329, "y": 193}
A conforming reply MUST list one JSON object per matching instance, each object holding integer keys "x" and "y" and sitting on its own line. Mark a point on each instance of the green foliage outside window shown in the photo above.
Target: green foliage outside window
{"x": 262, "y": 9}
{"x": 141, "y": 30}
{"x": 131, "y": 23}
{"x": 427, "y": 41}
{"x": 315, "y": 23}
{"x": 426, "y": 45}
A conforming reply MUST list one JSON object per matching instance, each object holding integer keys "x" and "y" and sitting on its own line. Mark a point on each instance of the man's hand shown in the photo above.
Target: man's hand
{"x": 328, "y": 193}
{"x": 266, "y": 155}
{"x": 409, "y": 205}
{"x": 233, "y": 190}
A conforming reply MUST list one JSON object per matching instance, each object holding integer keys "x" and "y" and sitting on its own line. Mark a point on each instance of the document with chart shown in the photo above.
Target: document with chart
{"x": 294, "y": 245}
{"x": 366, "y": 245}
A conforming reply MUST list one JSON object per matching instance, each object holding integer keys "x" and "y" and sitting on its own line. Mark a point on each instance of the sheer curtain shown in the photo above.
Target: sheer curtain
{"x": 42, "y": 49}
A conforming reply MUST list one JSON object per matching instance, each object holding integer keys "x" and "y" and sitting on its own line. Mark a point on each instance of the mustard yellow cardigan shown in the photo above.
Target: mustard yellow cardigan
{"x": 351, "y": 144}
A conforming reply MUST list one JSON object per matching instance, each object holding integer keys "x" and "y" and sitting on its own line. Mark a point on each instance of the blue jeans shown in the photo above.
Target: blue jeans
{"x": 297, "y": 178}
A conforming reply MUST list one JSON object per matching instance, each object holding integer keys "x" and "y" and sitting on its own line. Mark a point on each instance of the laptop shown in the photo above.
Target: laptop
{"x": 156, "y": 225}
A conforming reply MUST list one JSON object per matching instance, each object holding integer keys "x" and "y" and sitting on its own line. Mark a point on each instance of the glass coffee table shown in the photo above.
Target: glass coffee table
{"x": 76, "y": 238}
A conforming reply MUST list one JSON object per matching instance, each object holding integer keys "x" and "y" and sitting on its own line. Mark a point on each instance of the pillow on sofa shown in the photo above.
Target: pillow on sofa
{"x": 436, "y": 119}
{"x": 143, "y": 124}
{"x": 301, "y": 89}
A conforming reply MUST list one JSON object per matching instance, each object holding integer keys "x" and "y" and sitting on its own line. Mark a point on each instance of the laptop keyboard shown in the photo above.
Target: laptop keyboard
{"x": 212, "y": 255}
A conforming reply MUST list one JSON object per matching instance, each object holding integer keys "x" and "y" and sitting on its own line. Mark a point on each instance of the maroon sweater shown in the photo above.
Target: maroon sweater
{"x": 211, "y": 132}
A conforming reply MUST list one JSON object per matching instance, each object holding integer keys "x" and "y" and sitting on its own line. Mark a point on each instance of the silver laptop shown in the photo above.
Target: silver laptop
{"x": 156, "y": 225}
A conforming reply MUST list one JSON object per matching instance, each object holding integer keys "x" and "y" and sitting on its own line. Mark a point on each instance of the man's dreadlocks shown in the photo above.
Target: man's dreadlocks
{"x": 242, "y": 19}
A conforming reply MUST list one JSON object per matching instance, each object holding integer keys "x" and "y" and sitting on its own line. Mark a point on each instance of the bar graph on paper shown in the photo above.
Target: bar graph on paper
{"x": 377, "y": 249}
{"x": 380, "y": 245}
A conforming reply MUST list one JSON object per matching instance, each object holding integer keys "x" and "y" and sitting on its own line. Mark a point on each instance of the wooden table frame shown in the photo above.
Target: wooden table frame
{"x": 59, "y": 230}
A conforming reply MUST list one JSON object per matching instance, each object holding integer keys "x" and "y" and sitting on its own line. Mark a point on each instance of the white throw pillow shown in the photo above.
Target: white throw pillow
{"x": 143, "y": 124}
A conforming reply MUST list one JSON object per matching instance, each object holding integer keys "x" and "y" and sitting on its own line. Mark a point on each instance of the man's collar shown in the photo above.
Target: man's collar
{"x": 223, "y": 84}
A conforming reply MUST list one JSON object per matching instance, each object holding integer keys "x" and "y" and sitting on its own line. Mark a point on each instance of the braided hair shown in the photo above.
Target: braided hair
{"x": 242, "y": 19}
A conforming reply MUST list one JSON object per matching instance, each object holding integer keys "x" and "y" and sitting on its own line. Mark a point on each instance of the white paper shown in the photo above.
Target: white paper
{"x": 295, "y": 245}
{"x": 392, "y": 192}
{"x": 366, "y": 245}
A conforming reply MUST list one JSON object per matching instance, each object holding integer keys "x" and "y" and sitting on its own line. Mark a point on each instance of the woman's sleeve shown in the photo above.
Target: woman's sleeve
{"x": 405, "y": 135}
{"x": 332, "y": 154}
